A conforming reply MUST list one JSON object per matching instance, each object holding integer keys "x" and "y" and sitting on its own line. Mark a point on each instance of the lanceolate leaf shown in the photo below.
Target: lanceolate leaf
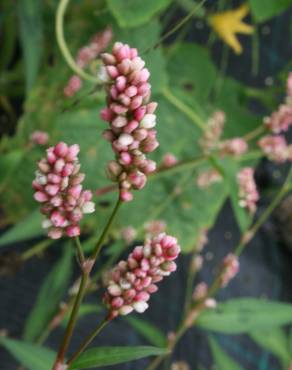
{"x": 275, "y": 341}
{"x": 29, "y": 227}
{"x": 104, "y": 356}
{"x": 31, "y": 356}
{"x": 222, "y": 360}
{"x": 243, "y": 315}
{"x": 31, "y": 32}
{"x": 49, "y": 296}
{"x": 148, "y": 331}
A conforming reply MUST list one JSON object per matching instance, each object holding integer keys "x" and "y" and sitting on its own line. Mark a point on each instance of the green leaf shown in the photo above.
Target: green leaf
{"x": 8, "y": 163}
{"x": 131, "y": 13}
{"x": 27, "y": 228}
{"x": 31, "y": 36}
{"x": 275, "y": 341}
{"x": 105, "y": 356}
{"x": 243, "y": 315}
{"x": 148, "y": 331}
{"x": 191, "y": 69}
{"x": 31, "y": 356}
{"x": 51, "y": 292}
{"x": 222, "y": 360}
{"x": 265, "y": 9}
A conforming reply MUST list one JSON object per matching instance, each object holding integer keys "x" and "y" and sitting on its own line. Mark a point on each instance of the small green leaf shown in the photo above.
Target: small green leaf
{"x": 31, "y": 356}
{"x": 148, "y": 331}
{"x": 31, "y": 35}
{"x": 265, "y": 9}
{"x": 104, "y": 356}
{"x": 29, "y": 227}
{"x": 49, "y": 296}
{"x": 243, "y": 315}
{"x": 222, "y": 360}
{"x": 131, "y": 13}
{"x": 273, "y": 340}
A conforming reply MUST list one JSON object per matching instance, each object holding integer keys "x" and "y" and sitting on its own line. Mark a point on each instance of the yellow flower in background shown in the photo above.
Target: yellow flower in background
{"x": 228, "y": 23}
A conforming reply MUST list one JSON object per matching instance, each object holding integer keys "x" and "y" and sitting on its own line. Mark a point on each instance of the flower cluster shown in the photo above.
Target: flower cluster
{"x": 230, "y": 268}
{"x": 131, "y": 118}
{"x": 234, "y": 147}
{"x": 281, "y": 119}
{"x": 248, "y": 193}
{"x": 85, "y": 55}
{"x": 208, "y": 177}
{"x": 58, "y": 187}
{"x": 39, "y": 137}
{"x": 133, "y": 281}
{"x": 213, "y": 132}
{"x": 276, "y": 148}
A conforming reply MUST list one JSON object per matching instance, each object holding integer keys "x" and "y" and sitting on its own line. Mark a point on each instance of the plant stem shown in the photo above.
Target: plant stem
{"x": 80, "y": 253}
{"x": 177, "y": 26}
{"x": 88, "y": 340}
{"x": 105, "y": 231}
{"x": 194, "y": 117}
{"x": 81, "y": 291}
{"x": 254, "y": 133}
{"x": 63, "y": 4}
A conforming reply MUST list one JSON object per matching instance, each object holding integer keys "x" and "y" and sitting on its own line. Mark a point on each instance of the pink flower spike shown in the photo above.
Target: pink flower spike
{"x": 133, "y": 281}
{"x": 131, "y": 129}
{"x": 63, "y": 200}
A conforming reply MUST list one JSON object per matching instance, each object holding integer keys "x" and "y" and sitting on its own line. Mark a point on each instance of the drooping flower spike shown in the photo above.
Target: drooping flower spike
{"x": 248, "y": 193}
{"x": 131, "y": 118}
{"x": 58, "y": 187}
{"x": 132, "y": 282}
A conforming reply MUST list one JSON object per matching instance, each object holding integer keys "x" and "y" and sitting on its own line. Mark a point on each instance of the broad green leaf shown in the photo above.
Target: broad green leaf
{"x": 265, "y": 9}
{"x": 105, "y": 356}
{"x": 131, "y": 13}
{"x": 31, "y": 356}
{"x": 52, "y": 291}
{"x": 148, "y": 331}
{"x": 27, "y": 228}
{"x": 31, "y": 36}
{"x": 273, "y": 340}
{"x": 222, "y": 360}
{"x": 243, "y": 315}
{"x": 191, "y": 69}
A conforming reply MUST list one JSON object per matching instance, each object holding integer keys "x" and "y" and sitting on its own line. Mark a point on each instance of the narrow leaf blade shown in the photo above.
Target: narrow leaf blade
{"x": 105, "y": 356}
{"x": 51, "y": 291}
{"x": 32, "y": 356}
